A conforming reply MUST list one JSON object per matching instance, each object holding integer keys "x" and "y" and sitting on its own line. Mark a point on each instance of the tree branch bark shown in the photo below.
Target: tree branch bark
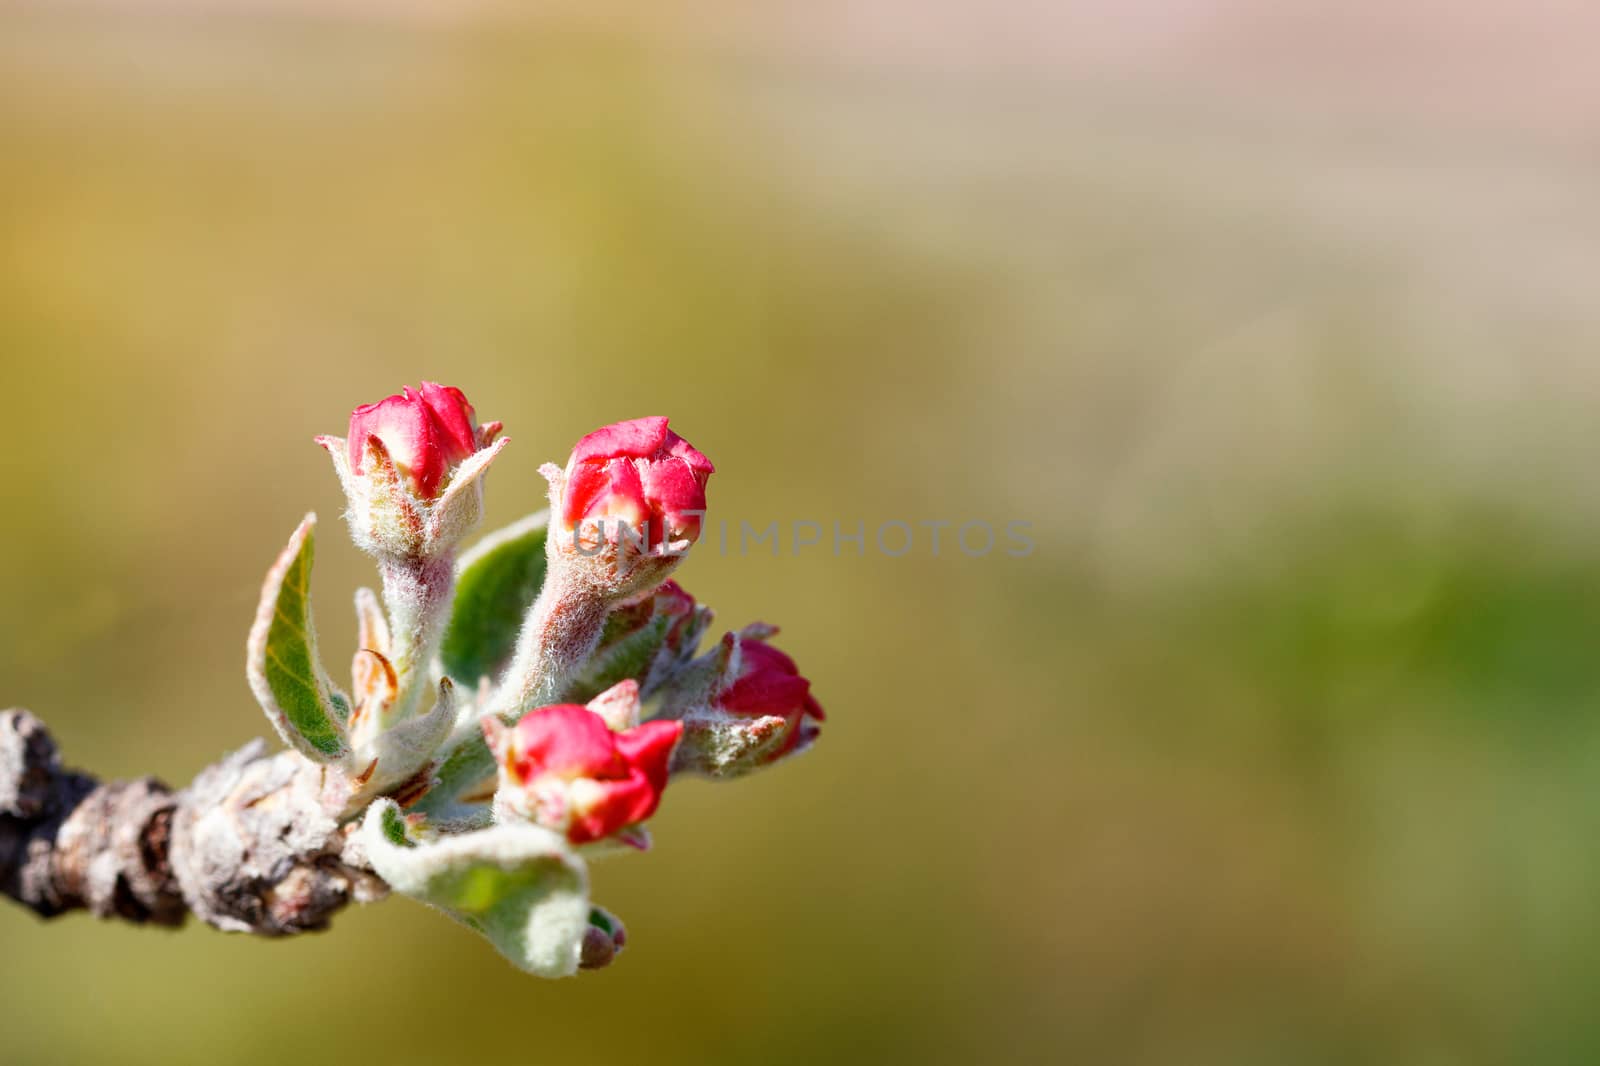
{"x": 252, "y": 845}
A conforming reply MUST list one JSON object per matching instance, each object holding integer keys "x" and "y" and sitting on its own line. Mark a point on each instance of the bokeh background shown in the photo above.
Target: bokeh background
{"x": 1278, "y": 323}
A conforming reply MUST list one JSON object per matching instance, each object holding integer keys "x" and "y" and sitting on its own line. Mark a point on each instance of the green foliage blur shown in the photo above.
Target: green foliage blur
{"x": 1282, "y": 746}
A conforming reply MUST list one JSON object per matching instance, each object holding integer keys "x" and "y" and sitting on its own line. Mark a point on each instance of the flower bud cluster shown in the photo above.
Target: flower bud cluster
{"x": 571, "y": 690}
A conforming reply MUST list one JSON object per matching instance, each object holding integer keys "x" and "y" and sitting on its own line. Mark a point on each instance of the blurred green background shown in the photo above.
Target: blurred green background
{"x": 1280, "y": 330}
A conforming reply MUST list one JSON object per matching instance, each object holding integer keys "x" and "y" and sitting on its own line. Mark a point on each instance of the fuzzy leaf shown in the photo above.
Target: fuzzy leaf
{"x": 519, "y": 885}
{"x": 282, "y": 665}
{"x": 496, "y": 582}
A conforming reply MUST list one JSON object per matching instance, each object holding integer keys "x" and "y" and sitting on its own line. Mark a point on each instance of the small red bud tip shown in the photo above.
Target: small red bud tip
{"x": 769, "y": 683}
{"x": 641, "y": 473}
{"x": 427, "y": 432}
{"x": 597, "y": 949}
{"x": 582, "y": 777}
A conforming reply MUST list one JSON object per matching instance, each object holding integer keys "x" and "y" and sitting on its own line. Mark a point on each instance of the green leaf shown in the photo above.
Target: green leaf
{"x": 496, "y": 582}
{"x": 282, "y": 665}
{"x": 519, "y": 885}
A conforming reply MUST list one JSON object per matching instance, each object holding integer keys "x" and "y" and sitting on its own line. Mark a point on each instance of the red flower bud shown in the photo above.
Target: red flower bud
{"x": 640, "y": 473}
{"x": 426, "y": 433}
{"x": 768, "y": 684}
{"x": 573, "y": 774}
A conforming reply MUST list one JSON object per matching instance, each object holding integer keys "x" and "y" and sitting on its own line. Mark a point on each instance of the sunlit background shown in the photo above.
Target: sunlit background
{"x": 1278, "y": 324}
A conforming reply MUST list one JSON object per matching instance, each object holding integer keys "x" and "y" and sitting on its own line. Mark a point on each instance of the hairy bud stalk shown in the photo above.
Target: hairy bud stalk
{"x": 417, "y": 594}
{"x": 560, "y": 634}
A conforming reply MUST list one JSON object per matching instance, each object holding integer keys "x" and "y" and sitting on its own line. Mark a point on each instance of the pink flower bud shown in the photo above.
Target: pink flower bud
{"x": 412, "y": 469}
{"x": 426, "y": 433}
{"x": 564, "y": 768}
{"x": 639, "y": 473}
{"x": 768, "y": 685}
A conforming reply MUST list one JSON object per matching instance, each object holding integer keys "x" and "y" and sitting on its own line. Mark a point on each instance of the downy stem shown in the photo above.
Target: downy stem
{"x": 561, "y": 632}
{"x": 417, "y": 593}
